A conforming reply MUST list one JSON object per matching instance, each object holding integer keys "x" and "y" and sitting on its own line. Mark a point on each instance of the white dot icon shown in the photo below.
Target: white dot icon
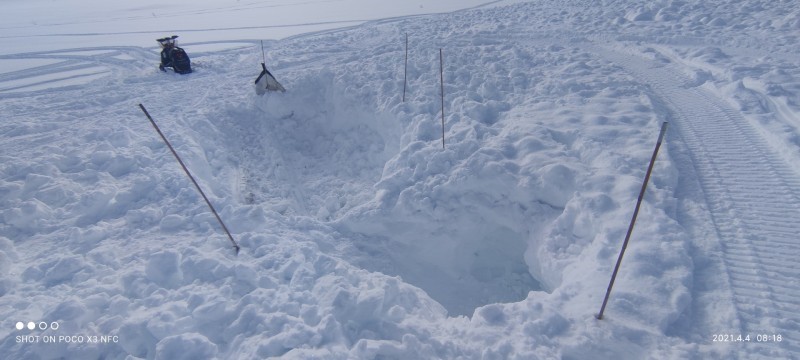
{"x": 20, "y": 325}
{"x": 31, "y": 325}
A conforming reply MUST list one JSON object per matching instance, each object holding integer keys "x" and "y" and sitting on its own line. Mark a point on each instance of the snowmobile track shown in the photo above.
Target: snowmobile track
{"x": 758, "y": 233}
{"x": 69, "y": 67}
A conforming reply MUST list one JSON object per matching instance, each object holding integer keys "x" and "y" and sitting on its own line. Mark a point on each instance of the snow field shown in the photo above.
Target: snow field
{"x": 79, "y": 22}
{"x": 295, "y": 291}
{"x": 361, "y": 237}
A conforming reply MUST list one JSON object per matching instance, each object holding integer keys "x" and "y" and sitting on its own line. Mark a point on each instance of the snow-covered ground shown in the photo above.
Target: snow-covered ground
{"x": 361, "y": 237}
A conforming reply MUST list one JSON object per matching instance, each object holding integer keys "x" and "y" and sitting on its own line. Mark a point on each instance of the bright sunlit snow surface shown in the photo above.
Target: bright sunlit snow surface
{"x": 361, "y": 237}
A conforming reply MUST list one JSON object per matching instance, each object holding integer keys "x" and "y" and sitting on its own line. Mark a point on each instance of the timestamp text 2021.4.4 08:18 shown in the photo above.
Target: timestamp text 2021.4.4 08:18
{"x": 747, "y": 338}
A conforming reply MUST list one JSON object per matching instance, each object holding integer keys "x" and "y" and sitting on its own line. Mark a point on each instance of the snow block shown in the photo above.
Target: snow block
{"x": 29, "y": 217}
{"x": 136, "y": 340}
{"x": 163, "y": 268}
{"x": 63, "y": 270}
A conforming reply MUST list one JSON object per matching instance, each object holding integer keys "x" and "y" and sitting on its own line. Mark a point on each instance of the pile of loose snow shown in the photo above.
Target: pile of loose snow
{"x": 361, "y": 237}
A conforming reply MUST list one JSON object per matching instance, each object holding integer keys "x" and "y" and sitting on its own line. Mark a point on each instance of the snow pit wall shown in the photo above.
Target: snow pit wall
{"x": 481, "y": 222}
{"x": 463, "y": 264}
{"x": 338, "y": 161}
{"x": 487, "y": 220}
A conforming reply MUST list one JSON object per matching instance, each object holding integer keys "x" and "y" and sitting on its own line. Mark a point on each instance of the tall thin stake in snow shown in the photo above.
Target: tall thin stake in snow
{"x": 633, "y": 219}
{"x": 263, "y": 55}
{"x": 405, "y": 71}
{"x": 235, "y": 245}
{"x": 441, "y": 80}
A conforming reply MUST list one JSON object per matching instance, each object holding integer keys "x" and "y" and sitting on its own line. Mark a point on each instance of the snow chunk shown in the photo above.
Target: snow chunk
{"x": 188, "y": 346}
{"x": 163, "y": 268}
{"x": 556, "y": 184}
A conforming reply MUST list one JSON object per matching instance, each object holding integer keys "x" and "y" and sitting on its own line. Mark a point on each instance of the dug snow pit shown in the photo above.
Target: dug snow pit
{"x": 463, "y": 266}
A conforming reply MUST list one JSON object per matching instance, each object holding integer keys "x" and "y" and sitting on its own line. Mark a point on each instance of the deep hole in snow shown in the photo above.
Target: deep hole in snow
{"x": 463, "y": 267}
{"x": 319, "y": 154}
{"x": 311, "y": 152}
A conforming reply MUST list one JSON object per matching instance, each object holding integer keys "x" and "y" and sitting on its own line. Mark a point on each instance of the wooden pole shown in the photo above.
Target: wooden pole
{"x": 263, "y": 54}
{"x": 405, "y": 71}
{"x": 441, "y": 80}
{"x": 599, "y": 316}
{"x": 186, "y": 170}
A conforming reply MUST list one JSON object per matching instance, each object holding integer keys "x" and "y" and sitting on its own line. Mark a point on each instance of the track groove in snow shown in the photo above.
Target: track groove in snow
{"x": 68, "y": 68}
{"x": 733, "y": 163}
